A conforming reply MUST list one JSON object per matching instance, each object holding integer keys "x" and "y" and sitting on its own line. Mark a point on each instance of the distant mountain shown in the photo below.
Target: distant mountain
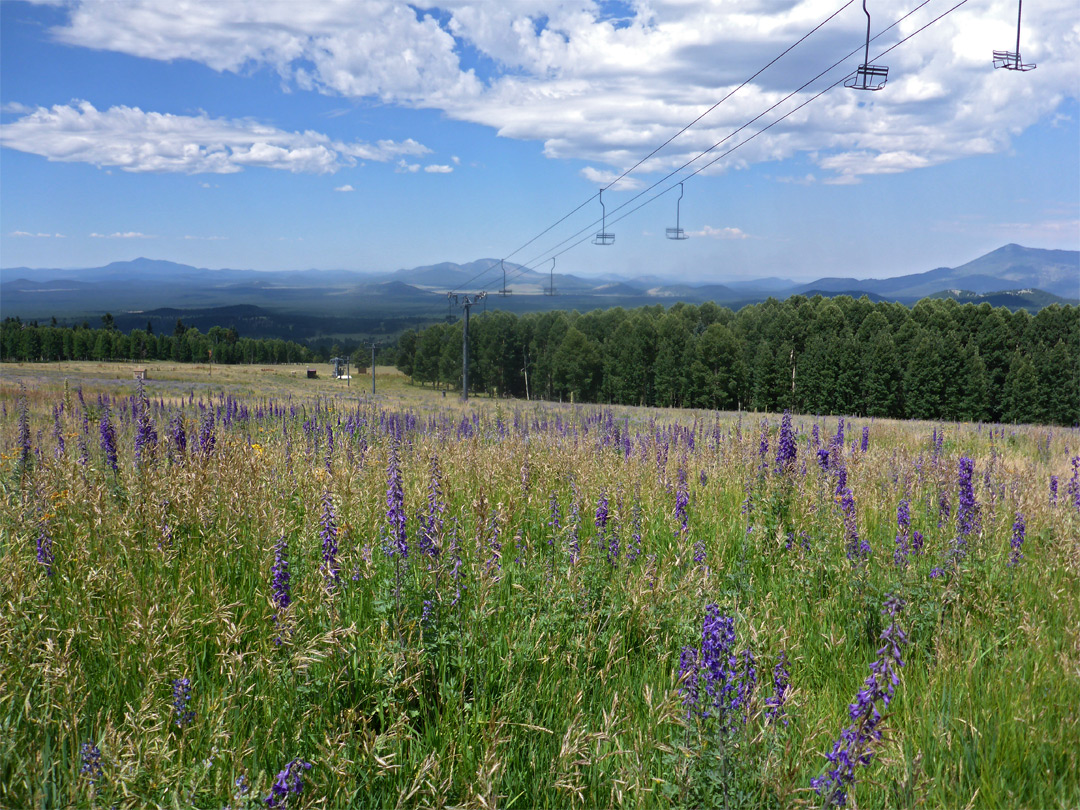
{"x": 1011, "y": 276}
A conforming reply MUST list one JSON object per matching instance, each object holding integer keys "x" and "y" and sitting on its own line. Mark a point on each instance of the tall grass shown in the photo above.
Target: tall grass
{"x": 497, "y": 671}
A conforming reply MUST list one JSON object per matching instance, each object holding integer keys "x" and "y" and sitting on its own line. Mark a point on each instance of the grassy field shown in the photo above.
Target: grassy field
{"x": 240, "y": 587}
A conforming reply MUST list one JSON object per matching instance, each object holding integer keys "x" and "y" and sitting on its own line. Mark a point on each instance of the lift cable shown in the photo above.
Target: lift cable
{"x": 552, "y": 252}
{"x": 558, "y": 222}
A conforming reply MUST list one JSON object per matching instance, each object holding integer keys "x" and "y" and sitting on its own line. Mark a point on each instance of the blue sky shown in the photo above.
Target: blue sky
{"x": 372, "y": 135}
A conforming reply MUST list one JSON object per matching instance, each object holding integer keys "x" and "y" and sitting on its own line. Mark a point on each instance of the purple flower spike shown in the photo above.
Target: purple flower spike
{"x": 774, "y": 706}
{"x": 329, "y": 535}
{"x": 287, "y": 785}
{"x": 182, "y": 715}
{"x": 1017, "y": 542}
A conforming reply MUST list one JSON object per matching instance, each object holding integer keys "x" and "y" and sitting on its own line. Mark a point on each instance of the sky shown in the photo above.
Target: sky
{"x": 373, "y": 135}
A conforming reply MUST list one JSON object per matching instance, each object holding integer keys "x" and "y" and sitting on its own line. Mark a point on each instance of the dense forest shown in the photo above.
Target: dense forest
{"x": 936, "y": 360}
{"x": 30, "y": 342}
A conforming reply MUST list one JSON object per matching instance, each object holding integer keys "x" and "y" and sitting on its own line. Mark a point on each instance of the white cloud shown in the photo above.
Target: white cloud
{"x": 206, "y": 238}
{"x": 435, "y": 168}
{"x": 608, "y": 90}
{"x": 456, "y": 160}
{"x": 138, "y": 141}
{"x": 345, "y": 187}
{"x": 404, "y": 167}
{"x": 719, "y": 233}
{"x": 124, "y": 235}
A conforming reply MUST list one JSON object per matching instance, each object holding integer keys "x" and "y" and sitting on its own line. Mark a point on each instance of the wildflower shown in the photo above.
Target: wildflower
{"x": 967, "y": 511}
{"x": 688, "y": 680}
{"x": 287, "y": 784}
{"x": 1017, "y": 542}
{"x": 395, "y": 506}
{"x": 182, "y": 715}
{"x": 44, "y": 548}
{"x": 785, "y": 448}
{"x": 91, "y": 763}
{"x": 58, "y": 431}
{"x": 207, "y": 439}
{"x": 1053, "y": 490}
{"x": 280, "y": 588}
{"x": 146, "y": 436}
{"x": 1073, "y": 487}
{"x": 855, "y": 744}
{"x": 179, "y": 437}
{"x": 329, "y": 534}
{"x": 635, "y": 533}
{"x": 763, "y": 443}
{"x": 903, "y": 522}
{"x": 427, "y": 614}
{"x": 602, "y": 515}
{"x": 774, "y": 706}
{"x": 431, "y": 524}
{"x": 108, "y": 440}
{"x": 24, "y": 430}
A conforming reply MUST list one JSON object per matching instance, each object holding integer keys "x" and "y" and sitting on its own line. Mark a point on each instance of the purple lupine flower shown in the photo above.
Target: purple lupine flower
{"x": 1053, "y": 490}
{"x": 865, "y": 444}
{"x": 108, "y": 440}
{"x": 1017, "y": 542}
{"x": 58, "y": 431}
{"x": 943, "y": 508}
{"x": 855, "y": 744}
{"x": 91, "y": 764}
{"x": 856, "y": 551}
{"x": 1073, "y": 487}
{"x": 815, "y": 436}
{"x": 747, "y": 682}
{"x": 431, "y": 523}
{"x": 703, "y": 478}
{"x": 427, "y": 614}
{"x": 494, "y": 561}
{"x": 774, "y": 705}
{"x": 903, "y": 523}
{"x": 280, "y": 585}
{"x": 838, "y": 439}
{"x": 602, "y": 515}
{"x": 395, "y": 506}
{"x": 916, "y": 541}
{"x": 329, "y": 448}
{"x": 44, "y": 548}
{"x": 287, "y": 785}
{"x": 207, "y": 439}
{"x": 179, "y": 437}
{"x": 967, "y": 510}
{"x": 24, "y": 430}
{"x": 688, "y": 681}
{"x": 635, "y": 533}
{"x": 554, "y": 522}
{"x": 573, "y": 541}
{"x": 785, "y": 447}
{"x": 718, "y": 664}
{"x": 329, "y": 535}
{"x": 146, "y": 436}
{"x": 182, "y": 715}
{"x": 823, "y": 457}
{"x": 763, "y": 442}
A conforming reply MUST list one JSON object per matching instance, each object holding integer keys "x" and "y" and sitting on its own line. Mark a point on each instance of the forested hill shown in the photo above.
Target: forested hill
{"x": 936, "y": 360}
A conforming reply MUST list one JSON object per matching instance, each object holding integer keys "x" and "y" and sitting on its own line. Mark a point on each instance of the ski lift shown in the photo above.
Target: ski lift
{"x": 677, "y": 232}
{"x": 1008, "y": 59}
{"x": 868, "y": 77}
{"x": 504, "y": 292}
{"x": 603, "y": 237}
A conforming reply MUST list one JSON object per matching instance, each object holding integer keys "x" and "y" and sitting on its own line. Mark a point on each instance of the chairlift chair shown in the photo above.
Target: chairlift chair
{"x": 677, "y": 233}
{"x": 603, "y": 237}
{"x": 868, "y": 77}
{"x": 1011, "y": 60}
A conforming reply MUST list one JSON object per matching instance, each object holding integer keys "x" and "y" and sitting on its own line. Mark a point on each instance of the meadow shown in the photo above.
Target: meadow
{"x": 245, "y": 589}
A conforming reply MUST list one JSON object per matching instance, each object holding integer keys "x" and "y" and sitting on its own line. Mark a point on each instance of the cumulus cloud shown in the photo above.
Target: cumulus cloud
{"x": 607, "y": 87}
{"x": 138, "y": 141}
{"x": 710, "y": 232}
{"x": 404, "y": 167}
{"x": 123, "y": 235}
{"x": 345, "y": 187}
{"x": 37, "y": 235}
{"x": 435, "y": 168}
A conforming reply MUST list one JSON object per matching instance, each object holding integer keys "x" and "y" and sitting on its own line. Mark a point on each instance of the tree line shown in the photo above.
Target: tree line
{"x": 935, "y": 360}
{"x": 31, "y": 342}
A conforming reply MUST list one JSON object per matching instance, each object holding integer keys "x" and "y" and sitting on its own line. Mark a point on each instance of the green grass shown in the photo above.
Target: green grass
{"x": 543, "y": 683}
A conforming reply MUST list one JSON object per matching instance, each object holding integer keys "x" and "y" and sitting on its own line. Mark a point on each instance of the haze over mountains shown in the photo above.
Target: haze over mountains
{"x": 308, "y": 303}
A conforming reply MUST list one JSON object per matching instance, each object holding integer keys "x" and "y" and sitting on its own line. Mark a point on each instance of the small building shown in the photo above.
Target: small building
{"x": 140, "y": 374}
{"x": 311, "y": 374}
